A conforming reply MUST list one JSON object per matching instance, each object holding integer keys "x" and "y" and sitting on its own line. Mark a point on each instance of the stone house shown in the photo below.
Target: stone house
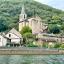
{"x": 15, "y": 36}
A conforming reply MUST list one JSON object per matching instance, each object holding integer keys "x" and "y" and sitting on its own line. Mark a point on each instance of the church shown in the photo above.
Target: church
{"x": 35, "y": 23}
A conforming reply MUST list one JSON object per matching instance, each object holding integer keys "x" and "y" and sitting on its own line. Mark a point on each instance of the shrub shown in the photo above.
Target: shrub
{"x": 31, "y": 45}
{"x": 62, "y": 46}
{"x": 45, "y": 45}
{"x": 57, "y": 45}
{"x": 53, "y": 28}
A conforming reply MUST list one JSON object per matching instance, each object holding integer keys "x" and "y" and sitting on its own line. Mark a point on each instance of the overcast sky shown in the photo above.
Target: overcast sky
{"x": 59, "y": 4}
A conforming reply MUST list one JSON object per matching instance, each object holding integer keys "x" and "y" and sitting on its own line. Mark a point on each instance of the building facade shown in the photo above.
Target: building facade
{"x": 15, "y": 36}
{"x": 35, "y": 23}
{"x": 4, "y": 40}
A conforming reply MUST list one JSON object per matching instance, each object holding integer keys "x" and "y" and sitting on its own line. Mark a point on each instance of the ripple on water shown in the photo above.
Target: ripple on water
{"x": 31, "y": 59}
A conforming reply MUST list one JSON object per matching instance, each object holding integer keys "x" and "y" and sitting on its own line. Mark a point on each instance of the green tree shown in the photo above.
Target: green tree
{"x": 3, "y": 27}
{"x": 52, "y": 28}
{"x": 26, "y": 29}
{"x": 57, "y": 45}
{"x": 62, "y": 46}
{"x": 10, "y": 10}
{"x": 56, "y": 19}
{"x": 62, "y": 27}
{"x": 28, "y": 37}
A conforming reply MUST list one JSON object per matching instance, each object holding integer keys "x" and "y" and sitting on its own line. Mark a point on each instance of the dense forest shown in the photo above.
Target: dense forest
{"x": 10, "y": 10}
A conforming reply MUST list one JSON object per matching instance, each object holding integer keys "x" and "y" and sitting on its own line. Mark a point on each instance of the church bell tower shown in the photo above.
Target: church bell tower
{"x": 22, "y": 18}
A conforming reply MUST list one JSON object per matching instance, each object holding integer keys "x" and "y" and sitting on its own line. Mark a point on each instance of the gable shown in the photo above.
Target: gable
{"x": 12, "y": 35}
{"x": 14, "y": 31}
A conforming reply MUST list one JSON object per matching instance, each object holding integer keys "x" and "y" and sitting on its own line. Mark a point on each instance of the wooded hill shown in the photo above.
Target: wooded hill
{"x": 10, "y": 10}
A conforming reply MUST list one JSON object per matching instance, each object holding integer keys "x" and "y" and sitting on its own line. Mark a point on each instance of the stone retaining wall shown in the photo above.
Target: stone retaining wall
{"x": 29, "y": 51}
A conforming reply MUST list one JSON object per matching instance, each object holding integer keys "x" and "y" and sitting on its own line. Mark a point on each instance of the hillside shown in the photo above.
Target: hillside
{"x": 10, "y": 10}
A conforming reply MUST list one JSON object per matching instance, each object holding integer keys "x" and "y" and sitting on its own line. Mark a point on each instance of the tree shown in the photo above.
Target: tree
{"x": 57, "y": 45}
{"x": 3, "y": 27}
{"x": 27, "y": 34}
{"x": 29, "y": 37}
{"x": 62, "y": 46}
{"x": 10, "y": 10}
{"x": 62, "y": 27}
{"x": 53, "y": 28}
{"x": 26, "y": 29}
{"x": 56, "y": 19}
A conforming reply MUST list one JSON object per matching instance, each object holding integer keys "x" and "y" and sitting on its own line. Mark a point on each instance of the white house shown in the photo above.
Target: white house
{"x": 3, "y": 40}
{"x": 15, "y": 36}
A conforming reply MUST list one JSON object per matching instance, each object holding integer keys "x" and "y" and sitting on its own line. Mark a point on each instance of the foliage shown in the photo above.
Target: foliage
{"x": 3, "y": 26}
{"x": 28, "y": 35}
{"x": 26, "y": 29}
{"x": 45, "y": 45}
{"x": 10, "y": 10}
{"x": 62, "y": 46}
{"x": 31, "y": 45}
{"x": 57, "y": 45}
{"x": 62, "y": 27}
{"x": 28, "y": 38}
{"x": 53, "y": 28}
{"x": 56, "y": 19}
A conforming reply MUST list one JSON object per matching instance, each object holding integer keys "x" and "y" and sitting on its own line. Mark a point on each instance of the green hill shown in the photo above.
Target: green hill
{"x": 10, "y": 10}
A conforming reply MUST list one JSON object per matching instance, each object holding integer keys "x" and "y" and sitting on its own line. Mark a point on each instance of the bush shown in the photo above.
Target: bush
{"x": 31, "y": 45}
{"x": 53, "y": 28}
{"x": 28, "y": 38}
{"x": 57, "y": 45}
{"x": 45, "y": 45}
{"x": 62, "y": 46}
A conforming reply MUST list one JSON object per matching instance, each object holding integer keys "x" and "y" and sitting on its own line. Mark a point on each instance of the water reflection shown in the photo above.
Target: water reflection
{"x": 31, "y": 59}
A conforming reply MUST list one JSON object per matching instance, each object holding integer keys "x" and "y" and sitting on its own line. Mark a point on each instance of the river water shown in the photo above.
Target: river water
{"x": 31, "y": 59}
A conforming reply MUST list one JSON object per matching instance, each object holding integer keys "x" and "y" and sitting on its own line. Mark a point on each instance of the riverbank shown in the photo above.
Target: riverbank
{"x": 30, "y": 51}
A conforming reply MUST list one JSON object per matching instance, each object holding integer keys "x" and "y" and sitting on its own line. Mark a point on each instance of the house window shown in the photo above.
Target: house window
{"x": 9, "y": 35}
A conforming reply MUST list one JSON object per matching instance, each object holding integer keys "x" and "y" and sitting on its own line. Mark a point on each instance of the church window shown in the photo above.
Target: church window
{"x": 24, "y": 16}
{"x": 9, "y": 35}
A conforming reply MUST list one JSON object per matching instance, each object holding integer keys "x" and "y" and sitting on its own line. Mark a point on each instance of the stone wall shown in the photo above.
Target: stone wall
{"x": 30, "y": 51}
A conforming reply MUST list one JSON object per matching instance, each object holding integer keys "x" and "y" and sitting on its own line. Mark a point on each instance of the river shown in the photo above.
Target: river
{"x": 31, "y": 59}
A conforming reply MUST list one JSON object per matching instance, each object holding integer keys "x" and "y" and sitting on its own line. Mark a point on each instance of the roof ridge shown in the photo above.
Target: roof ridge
{"x": 14, "y": 31}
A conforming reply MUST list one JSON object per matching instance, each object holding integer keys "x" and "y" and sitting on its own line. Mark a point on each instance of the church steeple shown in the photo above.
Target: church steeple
{"x": 23, "y": 10}
{"x": 23, "y": 15}
{"x": 22, "y": 18}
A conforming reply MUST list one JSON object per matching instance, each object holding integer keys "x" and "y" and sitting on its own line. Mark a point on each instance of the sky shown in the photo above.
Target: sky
{"x": 59, "y": 4}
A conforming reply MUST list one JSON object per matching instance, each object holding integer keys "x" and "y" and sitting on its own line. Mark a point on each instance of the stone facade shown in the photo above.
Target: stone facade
{"x": 35, "y": 23}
